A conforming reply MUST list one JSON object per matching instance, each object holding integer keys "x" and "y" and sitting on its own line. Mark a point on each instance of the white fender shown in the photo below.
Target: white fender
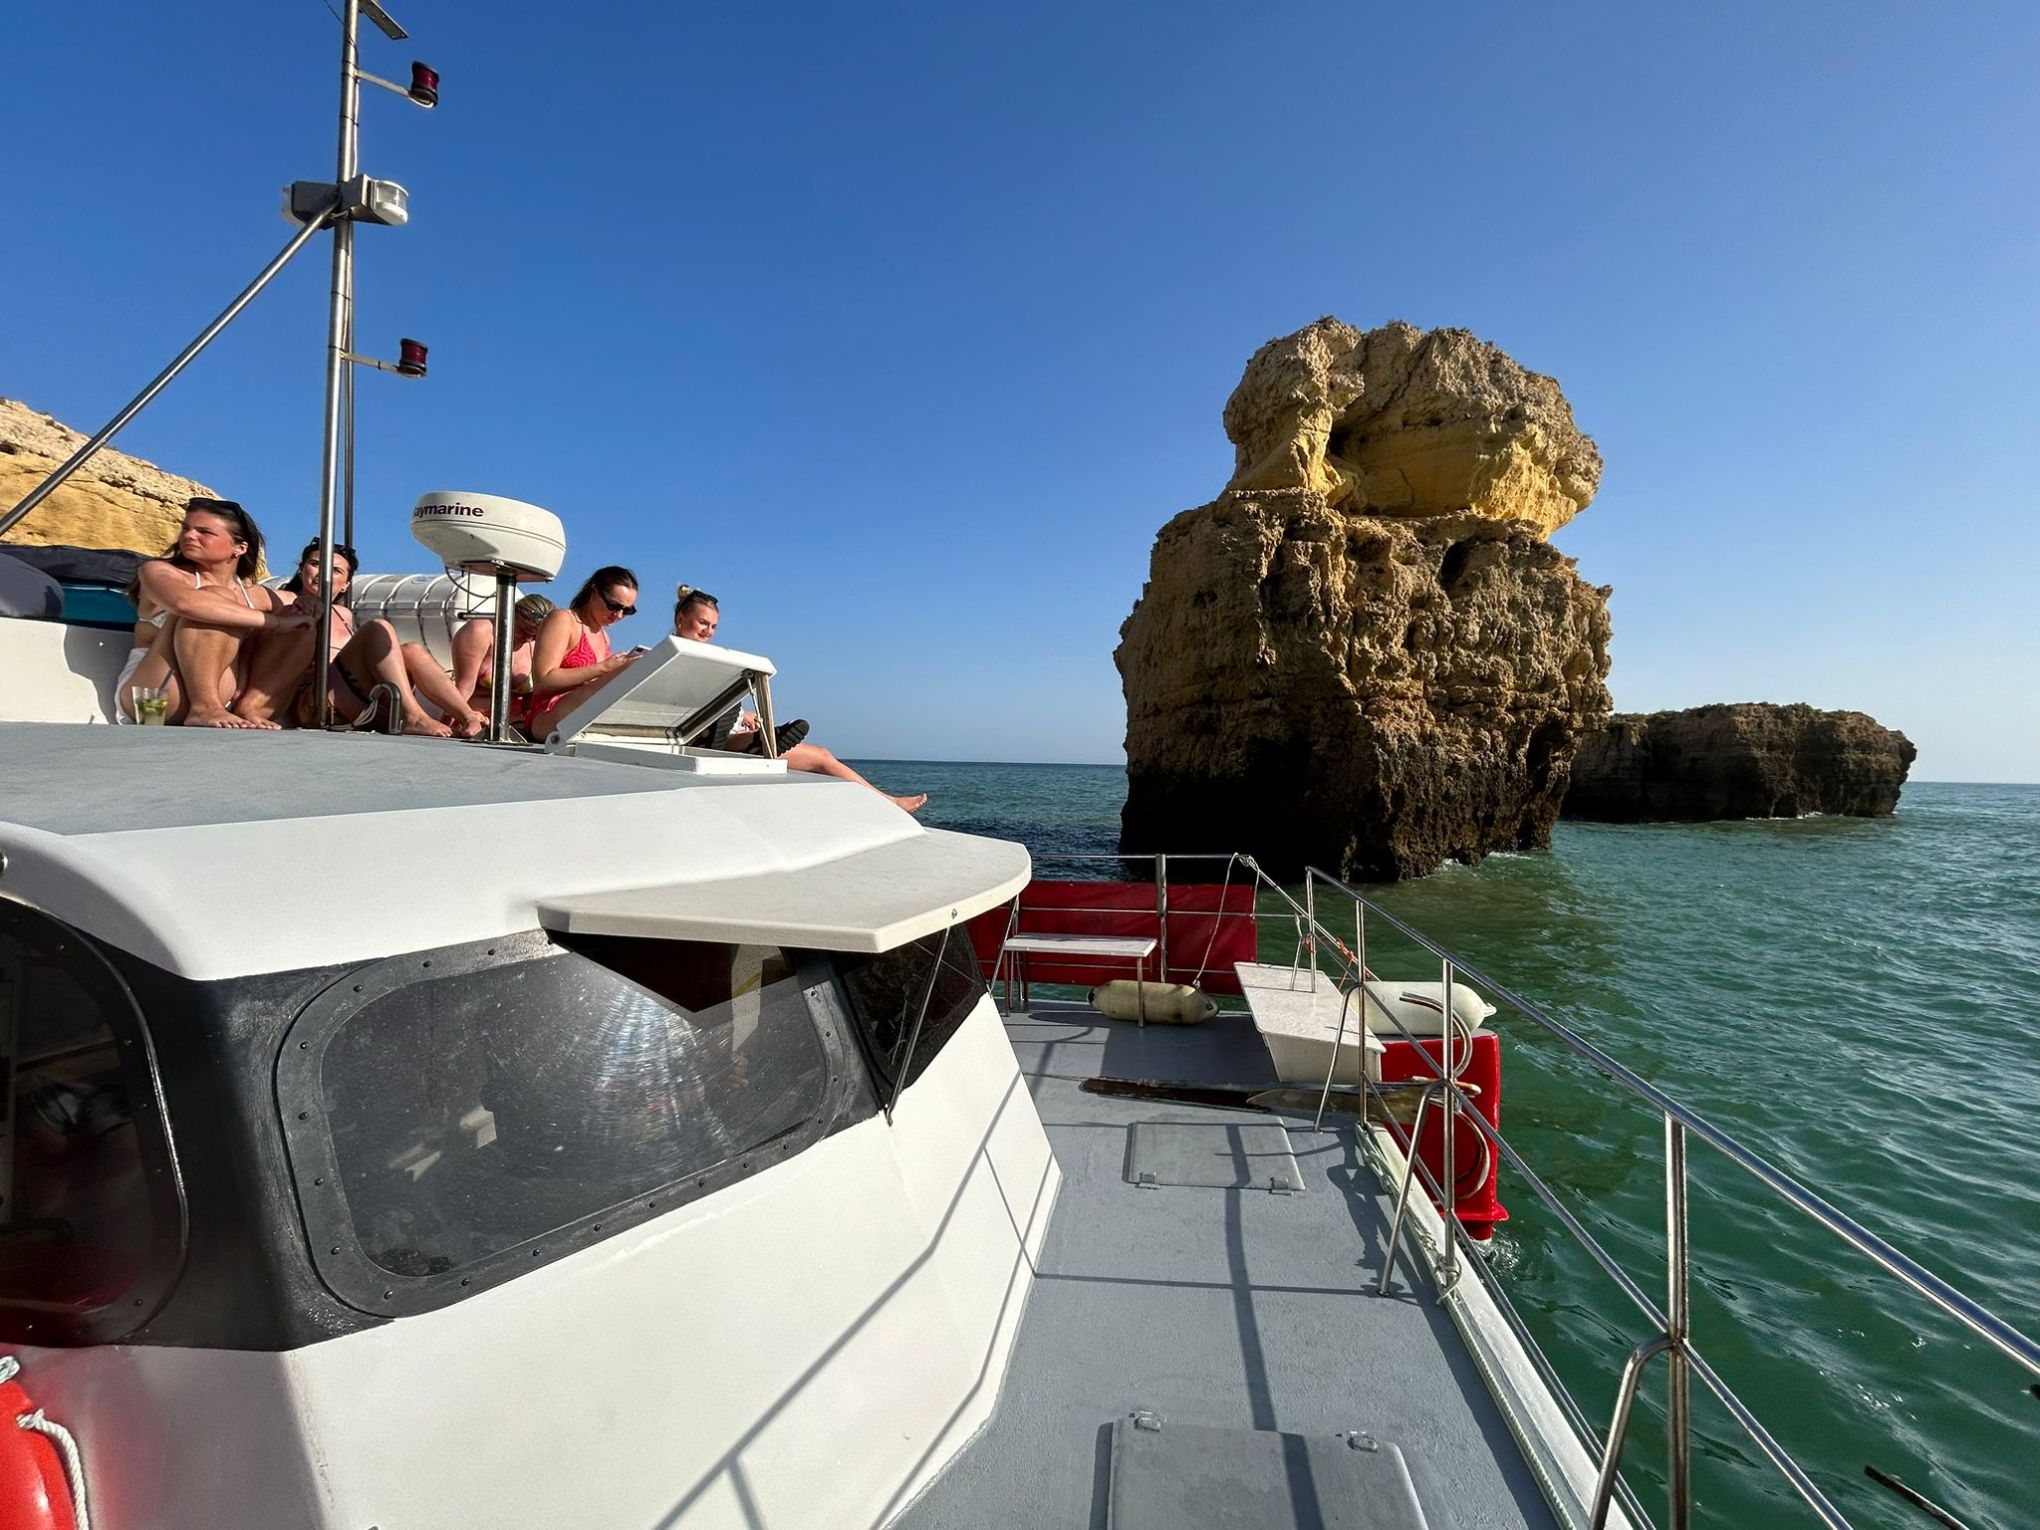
{"x": 1164, "y": 1003}
{"x": 1421, "y": 1007}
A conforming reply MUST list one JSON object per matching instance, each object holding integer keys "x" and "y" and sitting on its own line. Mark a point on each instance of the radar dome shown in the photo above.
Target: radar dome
{"x": 488, "y": 534}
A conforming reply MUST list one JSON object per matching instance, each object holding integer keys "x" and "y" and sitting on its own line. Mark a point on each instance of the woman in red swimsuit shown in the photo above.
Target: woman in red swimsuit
{"x": 572, "y": 651}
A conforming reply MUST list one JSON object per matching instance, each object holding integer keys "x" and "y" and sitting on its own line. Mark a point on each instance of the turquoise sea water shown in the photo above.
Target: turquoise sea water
{"x": 1856, "y": 1001}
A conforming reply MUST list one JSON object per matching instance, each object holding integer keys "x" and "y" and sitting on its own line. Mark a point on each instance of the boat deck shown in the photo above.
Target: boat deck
{"x": 1215, "y": 1308}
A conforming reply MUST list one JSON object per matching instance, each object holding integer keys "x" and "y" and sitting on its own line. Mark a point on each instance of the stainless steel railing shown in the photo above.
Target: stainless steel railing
{"x": 1669, "y": 1328}
{"x": 1670, "y": 1334}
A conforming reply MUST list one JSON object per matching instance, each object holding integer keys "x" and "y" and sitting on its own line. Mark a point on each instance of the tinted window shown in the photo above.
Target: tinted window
{"x": 88, "y": 1207}
{"x": 475, "y": 1112}
{"x": 886, "y": 992}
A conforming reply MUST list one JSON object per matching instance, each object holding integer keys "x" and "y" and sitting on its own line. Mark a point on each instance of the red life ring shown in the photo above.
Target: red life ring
{"x": 34, "y": 1494}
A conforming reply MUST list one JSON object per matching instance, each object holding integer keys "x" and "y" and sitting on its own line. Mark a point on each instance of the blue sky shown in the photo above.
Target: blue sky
{"x": 904, "y": 327}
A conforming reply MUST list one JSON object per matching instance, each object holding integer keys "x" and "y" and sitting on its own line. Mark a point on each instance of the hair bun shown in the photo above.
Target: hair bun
{"x": 682, "y": 591}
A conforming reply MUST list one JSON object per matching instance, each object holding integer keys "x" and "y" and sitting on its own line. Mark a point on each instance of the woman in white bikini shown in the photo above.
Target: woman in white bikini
{"x": 206, "y": 573}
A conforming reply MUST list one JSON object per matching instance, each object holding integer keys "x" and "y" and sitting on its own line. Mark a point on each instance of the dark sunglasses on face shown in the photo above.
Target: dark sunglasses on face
{"x": 618, "y": 608}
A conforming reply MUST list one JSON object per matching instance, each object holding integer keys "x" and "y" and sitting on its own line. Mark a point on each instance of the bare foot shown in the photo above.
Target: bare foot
{"x": 470, "y": 725}
{"x": 912, "y": 804}
{"x": 430, "y": 727}
{"x": 222, "y": 718}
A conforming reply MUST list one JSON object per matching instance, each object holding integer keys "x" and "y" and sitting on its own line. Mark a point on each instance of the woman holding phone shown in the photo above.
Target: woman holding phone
{"x": 572, "y": 651}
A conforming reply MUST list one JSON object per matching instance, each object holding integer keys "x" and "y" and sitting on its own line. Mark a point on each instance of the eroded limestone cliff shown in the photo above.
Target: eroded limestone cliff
{"x": 1748, "y": 759}
{"x": 113, "y": 501}
{"x": 1364, "y": 654}
{"x": 1399, "y": 422}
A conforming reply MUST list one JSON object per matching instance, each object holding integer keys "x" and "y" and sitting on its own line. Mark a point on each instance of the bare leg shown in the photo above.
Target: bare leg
{"x": 375, "y": 651}
{"x": 160, "y": 668}
{"x": 432, "y": 686}
{"x": 474, "y": 646}
{"x": 276, "y": 669}
{"x": 816, "y": 760}
{"x": 205, "y": 656}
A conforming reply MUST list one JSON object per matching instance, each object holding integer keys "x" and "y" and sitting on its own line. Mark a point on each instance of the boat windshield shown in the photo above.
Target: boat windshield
{"x": 471, "y": 1115}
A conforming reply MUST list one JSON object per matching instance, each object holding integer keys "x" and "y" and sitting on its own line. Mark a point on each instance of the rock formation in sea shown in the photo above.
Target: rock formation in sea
{"x": 113, "y": 501}
{"x": 1364, "y": 654}
{"x": 1738, "y": 760}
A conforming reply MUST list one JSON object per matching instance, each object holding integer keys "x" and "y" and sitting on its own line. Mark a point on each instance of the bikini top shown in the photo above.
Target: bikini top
{"x": 163, "y": 615}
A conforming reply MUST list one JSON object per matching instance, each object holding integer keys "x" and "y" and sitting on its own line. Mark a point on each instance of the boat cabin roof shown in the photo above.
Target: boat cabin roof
{"x": 215, "y": 854}
{"x": 80, "y": 780}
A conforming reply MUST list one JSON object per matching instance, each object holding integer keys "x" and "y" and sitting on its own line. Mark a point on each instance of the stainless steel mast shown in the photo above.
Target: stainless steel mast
{"x": 339, "y": 318}
{"x": 370, "y": 201}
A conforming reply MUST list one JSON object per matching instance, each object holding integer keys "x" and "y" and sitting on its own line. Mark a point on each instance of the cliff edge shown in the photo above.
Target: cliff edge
{"x": 113, "y": 501}
{"x": 1364, "y": 654}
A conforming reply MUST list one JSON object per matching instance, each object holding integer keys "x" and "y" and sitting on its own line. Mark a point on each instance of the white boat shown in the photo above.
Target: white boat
{"x": 411, "y": 1133}
{"x": 608, "y": 1132}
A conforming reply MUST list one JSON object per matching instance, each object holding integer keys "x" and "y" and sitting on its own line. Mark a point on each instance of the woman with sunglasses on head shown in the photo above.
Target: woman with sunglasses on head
{"x": 696, "y": 615}
{"x": 572, "y": 651}
{"x": 205, "y": 578}
{"x": 207, "y": 575}
{"x": 474, "y": 652}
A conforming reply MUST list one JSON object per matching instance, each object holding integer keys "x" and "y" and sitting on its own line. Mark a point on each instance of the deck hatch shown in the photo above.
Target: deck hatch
{"x": 1169, "y": 1476}
{"x": 1214, "y": 1155}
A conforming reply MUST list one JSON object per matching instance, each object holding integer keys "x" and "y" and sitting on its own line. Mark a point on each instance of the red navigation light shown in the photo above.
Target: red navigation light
{"x": 424, "y": 84}
{"x": 411, "y": 358}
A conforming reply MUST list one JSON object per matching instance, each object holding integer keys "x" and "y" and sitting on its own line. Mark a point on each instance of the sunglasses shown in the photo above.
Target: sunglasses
{"x": 618, "y": 608}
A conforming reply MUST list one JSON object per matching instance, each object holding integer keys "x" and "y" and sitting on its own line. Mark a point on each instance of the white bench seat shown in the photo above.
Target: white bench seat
{"x": 1121, "y": 948}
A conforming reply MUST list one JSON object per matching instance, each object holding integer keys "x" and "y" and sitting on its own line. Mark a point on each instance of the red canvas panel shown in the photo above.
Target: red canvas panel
{"x": 1210, "y": 927}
